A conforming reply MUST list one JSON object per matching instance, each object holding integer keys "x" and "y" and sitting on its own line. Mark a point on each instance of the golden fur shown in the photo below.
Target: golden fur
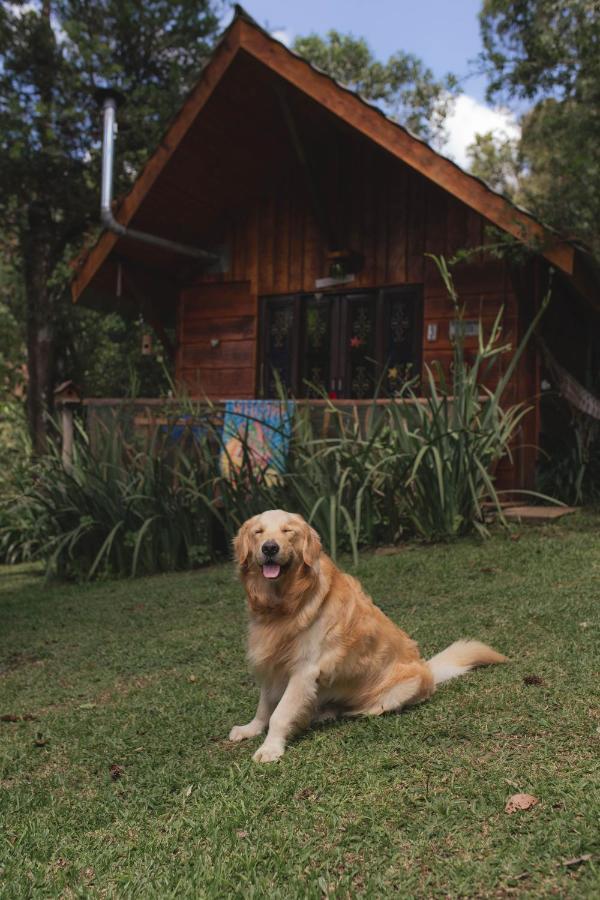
{"x": 318, "y": 644}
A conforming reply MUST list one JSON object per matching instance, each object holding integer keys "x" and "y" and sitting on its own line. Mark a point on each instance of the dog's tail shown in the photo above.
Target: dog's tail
{"x": 460, "y": 657}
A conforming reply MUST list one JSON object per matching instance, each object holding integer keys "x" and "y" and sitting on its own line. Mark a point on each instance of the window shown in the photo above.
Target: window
{"x": 347, "y": 345}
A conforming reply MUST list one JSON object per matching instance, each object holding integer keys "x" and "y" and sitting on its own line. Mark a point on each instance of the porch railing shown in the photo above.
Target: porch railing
{"x": 142, "y": 415}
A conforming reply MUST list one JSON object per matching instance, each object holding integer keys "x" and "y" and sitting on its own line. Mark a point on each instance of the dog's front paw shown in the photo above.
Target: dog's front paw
{"x": 269, "y": 752}
{"x": 243, "y": 732}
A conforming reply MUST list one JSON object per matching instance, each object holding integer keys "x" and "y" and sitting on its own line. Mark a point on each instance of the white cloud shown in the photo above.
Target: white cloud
{"x": 470, "y": 117}
{"x": 283, "y": 35}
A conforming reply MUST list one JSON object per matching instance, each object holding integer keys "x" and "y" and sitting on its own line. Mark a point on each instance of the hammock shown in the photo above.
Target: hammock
{"x": 569, "y": 388}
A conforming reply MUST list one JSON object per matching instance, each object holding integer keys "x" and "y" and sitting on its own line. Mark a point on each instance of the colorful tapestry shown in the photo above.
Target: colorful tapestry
{"x": 261, "y": 429}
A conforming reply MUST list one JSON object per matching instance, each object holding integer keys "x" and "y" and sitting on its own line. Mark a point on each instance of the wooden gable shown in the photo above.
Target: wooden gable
{"x": 161, "y": 201}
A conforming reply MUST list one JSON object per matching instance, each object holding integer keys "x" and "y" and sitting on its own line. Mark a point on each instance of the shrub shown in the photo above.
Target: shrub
{"x": 455, "y": 437}
{"x": 571, "y": 470}
{"x": 20, "y": 526}
{"x": 120, "y": 510}
{"x": 420, "y": 465}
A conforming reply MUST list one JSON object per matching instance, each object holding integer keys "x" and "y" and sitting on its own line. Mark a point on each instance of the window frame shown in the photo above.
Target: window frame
{"x": 339, "y": 353}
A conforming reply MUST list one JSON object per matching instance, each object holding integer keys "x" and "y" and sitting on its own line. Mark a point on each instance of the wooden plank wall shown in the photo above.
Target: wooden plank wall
{"x": 216, "y": 340}
{"x": 377, "y": 207}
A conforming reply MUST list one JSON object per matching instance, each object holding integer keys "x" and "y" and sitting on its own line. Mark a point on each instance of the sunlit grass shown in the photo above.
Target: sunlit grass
{"x": 149, "y": 675}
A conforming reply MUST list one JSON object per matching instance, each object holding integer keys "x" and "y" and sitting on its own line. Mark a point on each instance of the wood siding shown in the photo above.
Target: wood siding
{"x": 377, "y": 207}
{"x": 216, "y": 340}
{"x": 380, "y": 209}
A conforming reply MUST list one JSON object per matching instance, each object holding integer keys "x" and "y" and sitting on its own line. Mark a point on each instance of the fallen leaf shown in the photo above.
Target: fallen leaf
{"x": 242, "y": 834}
{"x": 515, "y": 537}
{"x": 577, "y": 860}
{"x": 10, "y": 717}
{"x": 305, "y": 794}
{"x": 533, "y": 679}
{"x": 520, "y": 802}
{"x": 188, "y": 790}
{"x": 116, "y": 772}
{"x": 191, "y": 679}
{"x": 40, "y": 740}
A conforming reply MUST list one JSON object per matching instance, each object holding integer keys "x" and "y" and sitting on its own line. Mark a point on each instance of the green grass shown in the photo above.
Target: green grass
{"x": 150, "y": 675}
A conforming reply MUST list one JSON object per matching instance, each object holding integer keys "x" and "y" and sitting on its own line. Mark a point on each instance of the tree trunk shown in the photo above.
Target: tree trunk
{"x": 40, "y": 325}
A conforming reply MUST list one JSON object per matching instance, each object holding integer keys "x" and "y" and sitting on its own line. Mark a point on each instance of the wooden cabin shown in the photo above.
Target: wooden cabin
{"x": 323, "y": 211}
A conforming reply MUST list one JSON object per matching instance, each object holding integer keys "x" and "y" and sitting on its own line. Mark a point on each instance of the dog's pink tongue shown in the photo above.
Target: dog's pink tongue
{"x": 271, "y": 570}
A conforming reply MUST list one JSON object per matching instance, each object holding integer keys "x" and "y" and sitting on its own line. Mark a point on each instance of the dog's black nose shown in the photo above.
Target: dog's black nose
{"x": 270, "y": 548}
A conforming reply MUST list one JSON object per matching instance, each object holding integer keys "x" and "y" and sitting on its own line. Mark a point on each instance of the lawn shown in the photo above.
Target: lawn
{"x": 117, "y": 780}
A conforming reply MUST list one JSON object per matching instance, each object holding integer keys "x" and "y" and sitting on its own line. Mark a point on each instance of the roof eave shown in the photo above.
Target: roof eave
{"x": 244, "y": 33}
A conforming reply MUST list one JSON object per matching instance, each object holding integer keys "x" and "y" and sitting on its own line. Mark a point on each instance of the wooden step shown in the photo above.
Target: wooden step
{"x": 537, "y": 513}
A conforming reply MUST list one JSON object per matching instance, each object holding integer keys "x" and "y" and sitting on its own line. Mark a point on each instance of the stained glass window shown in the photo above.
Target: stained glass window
{"x": 361, "y": 369}
{"x": 346, "y": 345}
{"x": 315, "y": 363}
{"x": 279, "y": 346}
{"x": 402, "y": 336}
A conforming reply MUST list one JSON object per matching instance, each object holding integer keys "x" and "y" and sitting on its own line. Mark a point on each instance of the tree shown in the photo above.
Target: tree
{"x": 498, "y": 161}
{"x": 405, "y": 87}
{"x": 53, "y": 53}
{"x": 12, "y": 342}
{"x": 547, "y": 52}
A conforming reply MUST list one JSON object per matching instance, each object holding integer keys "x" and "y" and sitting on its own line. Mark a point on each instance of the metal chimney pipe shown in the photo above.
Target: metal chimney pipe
{"x": 110, "y": 100}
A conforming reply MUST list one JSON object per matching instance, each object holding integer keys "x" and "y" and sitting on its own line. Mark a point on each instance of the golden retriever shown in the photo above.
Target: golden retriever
{"x": 318, "y": 644}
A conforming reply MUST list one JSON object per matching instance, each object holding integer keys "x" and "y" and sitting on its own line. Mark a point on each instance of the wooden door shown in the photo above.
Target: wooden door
{"x": 216, "y": 349}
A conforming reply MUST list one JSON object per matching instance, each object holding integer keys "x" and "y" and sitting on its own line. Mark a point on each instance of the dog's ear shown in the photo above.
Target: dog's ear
{"x": 241, "y": 543}
{"x": 311, "y": 546}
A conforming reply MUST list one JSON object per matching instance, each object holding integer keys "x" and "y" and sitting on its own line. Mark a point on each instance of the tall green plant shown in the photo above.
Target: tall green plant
{"x": 119, "y": 510}
{"x": 422, "y": 465}
{"x": 460, "y": 431}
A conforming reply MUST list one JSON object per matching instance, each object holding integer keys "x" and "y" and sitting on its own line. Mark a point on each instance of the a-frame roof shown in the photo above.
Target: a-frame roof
{"x": 243, "y": 34}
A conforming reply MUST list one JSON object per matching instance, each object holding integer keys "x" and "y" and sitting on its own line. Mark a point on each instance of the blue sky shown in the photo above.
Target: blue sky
{"x": 443, "y": 33}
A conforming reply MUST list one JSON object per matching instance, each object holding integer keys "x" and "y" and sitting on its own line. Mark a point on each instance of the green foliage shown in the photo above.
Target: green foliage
{"x": 424, "y": 464}
{"x": 403, "y": 85}
{"x": 12, "y": 330}
{"x": 537, "y": 47}
{"x": 498, "y": 161}
{"x": 53, "y": 54}
{"x": 570, "y": 469}
{"x": 420, "y": 465}
{"x": 119, "y": 510}
{"x": 21, "y": 528}
{"x": 103, "y": 355}
{"x": 546, "y": 52}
